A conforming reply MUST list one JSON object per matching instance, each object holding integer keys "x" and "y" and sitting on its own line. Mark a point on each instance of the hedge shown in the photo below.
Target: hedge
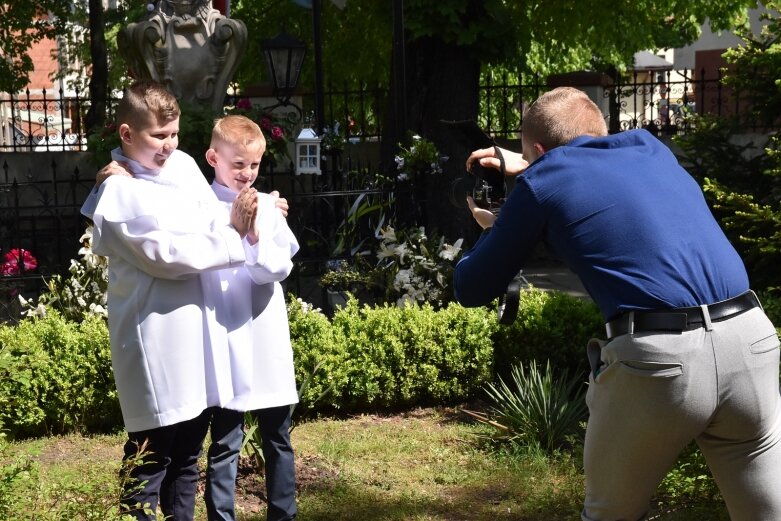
{"x": 55, "y": 374}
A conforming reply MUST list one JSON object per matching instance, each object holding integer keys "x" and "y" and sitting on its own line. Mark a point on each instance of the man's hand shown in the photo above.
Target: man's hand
{"x": 280, "y": 202}
{"x": 113, "y": 168}
{"x": 514, "y": 163}
{"x": 244, "y": 210}
{"x": 483, "y": 217}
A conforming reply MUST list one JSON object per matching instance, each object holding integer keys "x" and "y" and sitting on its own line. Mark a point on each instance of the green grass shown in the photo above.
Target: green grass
{"x": 425, "y": 465}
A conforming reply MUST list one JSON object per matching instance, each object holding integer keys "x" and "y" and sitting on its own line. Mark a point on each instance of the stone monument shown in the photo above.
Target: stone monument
{"x": 188, "y": 46}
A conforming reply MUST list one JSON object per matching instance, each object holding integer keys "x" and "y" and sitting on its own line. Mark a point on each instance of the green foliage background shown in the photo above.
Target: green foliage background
{"x": 742, "y": 177}
{"x": 520, "y": 37}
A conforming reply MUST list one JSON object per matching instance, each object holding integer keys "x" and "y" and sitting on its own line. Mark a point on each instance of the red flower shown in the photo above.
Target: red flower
{"x": 265, "y": 123}
{"x": 244, "y": 104}
{"x": 277, "y": 133}
{"x": 17, "y": 261}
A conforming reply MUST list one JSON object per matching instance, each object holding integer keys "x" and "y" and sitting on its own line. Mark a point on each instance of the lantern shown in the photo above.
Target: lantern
{"x": 308, "y": 152}
{"x": 284, "y": 57}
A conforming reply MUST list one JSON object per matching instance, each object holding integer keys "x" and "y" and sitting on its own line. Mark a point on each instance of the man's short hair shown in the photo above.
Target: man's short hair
{"x": 144, "y": 98}
{"x": 237, "y": 130}
{"x": 559, "y": 116}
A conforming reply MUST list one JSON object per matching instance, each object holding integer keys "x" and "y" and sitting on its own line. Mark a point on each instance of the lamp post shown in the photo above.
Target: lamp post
{"x": 284, "y": 57}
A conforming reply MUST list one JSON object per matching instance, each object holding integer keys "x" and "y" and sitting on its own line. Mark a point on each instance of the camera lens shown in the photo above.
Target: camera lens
{"x": 460, "y": 188}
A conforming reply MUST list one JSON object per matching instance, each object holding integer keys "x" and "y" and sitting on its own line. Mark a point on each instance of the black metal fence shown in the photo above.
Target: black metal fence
{"x": 663, "y": 101}
{"x": 53, "y": 121}
{"x": 39, "y": 205}
{"x": 40, "y": 226}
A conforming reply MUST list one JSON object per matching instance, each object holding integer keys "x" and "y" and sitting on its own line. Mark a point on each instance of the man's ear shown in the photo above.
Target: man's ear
{"x": 211, "y": 157}
{"x": 124, "y": 133}
{"x": 539, "y": 149}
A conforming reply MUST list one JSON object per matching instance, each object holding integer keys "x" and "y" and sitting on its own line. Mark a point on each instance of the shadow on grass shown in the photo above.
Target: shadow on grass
{"x": 352, "y": 501}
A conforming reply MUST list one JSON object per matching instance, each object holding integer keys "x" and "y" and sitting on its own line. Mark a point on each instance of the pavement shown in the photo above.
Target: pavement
{"x": 557, "y": 277}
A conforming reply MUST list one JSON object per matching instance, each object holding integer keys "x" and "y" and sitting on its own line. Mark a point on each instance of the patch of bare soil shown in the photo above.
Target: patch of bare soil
{"x": 69, "y": 448}
{"x": 311, "y": 473}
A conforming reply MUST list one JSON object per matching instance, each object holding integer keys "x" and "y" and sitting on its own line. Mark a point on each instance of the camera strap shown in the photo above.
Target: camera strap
{"x": 510, "y": 301}
{"x": 500, "y": 157}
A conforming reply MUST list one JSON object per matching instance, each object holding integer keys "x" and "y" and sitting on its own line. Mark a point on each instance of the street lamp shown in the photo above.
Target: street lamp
{"x": 284, "y": 57}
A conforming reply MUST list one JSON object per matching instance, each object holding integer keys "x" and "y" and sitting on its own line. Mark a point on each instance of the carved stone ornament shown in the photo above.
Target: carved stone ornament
{"x": 189, "y": 47}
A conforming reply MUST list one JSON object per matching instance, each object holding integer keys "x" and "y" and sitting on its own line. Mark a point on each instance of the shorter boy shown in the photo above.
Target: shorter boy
{"x": 250, "y": 360}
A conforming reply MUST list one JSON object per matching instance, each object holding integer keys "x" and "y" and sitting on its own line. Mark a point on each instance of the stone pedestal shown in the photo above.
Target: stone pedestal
{"x": 189, "y": 47}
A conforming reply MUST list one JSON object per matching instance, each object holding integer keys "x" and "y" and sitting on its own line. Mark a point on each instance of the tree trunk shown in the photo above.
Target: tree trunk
{"x": 443, "y": 84}
{"x": 98, "y": 85}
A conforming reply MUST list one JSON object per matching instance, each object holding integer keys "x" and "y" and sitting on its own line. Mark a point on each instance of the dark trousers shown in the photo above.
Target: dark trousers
{"x": 274, "y": 425}
{"x": 227, "y": 435}
{"x": 169, "y": 472}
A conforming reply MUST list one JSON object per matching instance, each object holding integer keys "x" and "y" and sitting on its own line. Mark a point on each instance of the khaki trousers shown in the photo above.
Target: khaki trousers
{"x": 654, "y": 392}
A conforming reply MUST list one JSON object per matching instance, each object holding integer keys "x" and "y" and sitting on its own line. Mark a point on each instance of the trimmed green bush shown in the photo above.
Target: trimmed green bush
{"x": 55, "y": 374}
{"x": 415, "y": 354}
{"x": 57, "y": 377}
{"x": 551, "y": 326}
{"x": 319, "y": 354}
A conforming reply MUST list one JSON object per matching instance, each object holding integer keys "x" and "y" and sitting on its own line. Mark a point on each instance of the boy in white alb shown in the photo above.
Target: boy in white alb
{"x": 250, "y": 360}
{"x": 159, "y": 236}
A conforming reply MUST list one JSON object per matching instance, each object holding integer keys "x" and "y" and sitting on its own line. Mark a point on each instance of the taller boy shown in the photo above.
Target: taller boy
{"x": 159, "y": 236}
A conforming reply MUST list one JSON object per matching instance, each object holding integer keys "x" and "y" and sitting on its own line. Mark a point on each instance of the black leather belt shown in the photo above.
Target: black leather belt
{"x": 679, "y": 319}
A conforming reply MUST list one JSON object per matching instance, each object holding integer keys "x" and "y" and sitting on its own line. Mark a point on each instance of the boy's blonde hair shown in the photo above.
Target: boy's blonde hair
{"x": 237, "y": 131}
{"x": 144, "y": 98}
{"x": 559, "y": 116}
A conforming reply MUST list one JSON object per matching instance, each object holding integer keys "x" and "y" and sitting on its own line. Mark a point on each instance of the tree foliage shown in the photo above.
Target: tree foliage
{"x": 757, "y": 65}
{"x": 75, "y": 44}
{"x": 23, "y": 24}
{"x": 742, "y": 181}
{"x": 523, "y": 36}
{"x": 356, "y": 40}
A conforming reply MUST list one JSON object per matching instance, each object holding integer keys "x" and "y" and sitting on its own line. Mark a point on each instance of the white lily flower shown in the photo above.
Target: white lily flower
{"x": 450, "y": 252}
{"x": 385, "y": 252}
{"x": 401, "y": 250}
{"x": 388, "y": 234}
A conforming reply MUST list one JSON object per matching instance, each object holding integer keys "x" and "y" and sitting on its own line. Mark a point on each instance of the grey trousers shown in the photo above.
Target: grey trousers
{"x": 655, "y": 392}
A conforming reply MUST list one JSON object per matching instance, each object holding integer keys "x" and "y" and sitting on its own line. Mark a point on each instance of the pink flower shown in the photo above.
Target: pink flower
{"x": 277, "y": 133}
{"x": 265, "y": 123}
{"x": 244, "y": 104}
{"x": 17, "y": 261}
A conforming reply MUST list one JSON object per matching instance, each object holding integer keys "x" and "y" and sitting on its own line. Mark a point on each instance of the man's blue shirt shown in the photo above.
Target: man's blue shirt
{"x": 624, "y": 216}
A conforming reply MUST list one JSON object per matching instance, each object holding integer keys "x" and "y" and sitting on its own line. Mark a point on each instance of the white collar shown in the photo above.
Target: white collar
{"x": 223, "y": 193}
{"x": 136, "y": 168}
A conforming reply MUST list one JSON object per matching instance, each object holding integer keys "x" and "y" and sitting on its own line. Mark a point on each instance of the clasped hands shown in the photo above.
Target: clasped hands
{"x": 244, "y": 212}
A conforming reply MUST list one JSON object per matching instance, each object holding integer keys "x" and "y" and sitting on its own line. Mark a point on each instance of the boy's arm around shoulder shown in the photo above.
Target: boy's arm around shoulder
{"x": 126, "y": 226}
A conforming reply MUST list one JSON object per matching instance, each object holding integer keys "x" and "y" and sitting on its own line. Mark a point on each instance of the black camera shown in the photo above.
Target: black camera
{"x": 487, "y": 186}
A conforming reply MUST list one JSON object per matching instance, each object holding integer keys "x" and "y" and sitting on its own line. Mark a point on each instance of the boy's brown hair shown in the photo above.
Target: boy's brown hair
{"x": 144, "y": 98}
{"x": 237, "y": 131}
{"x": 559, "y": 116}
